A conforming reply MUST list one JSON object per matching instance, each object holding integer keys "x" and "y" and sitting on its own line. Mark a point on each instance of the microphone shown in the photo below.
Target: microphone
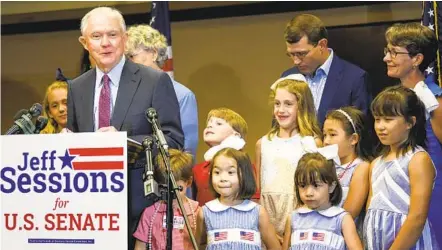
{"x": 20, "y": 114}
{"x": 149, "y": 184}
{"x": 40, "y": 124}
{"x": 152, "y": 117}
{"x": 24, "y": 124}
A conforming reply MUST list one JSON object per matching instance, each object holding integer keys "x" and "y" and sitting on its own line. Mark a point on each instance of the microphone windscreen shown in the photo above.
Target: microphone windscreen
{"x": 147, "y": 142}
{"x": 20, "y": 113}
{"x": 41, "y": 123}
{"x": 151, "y": 113}
{"x": 36, "y": 109}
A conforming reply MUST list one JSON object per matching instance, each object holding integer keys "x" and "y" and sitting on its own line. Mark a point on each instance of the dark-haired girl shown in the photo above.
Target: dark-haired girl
{"x": 402, "y": 178}
{"x": 318, "y": 222}
{"x": 232, "y": 220}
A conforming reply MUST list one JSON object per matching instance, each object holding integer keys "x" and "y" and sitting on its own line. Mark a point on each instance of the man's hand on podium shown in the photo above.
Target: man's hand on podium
{"x": 107, "y": 129}
{"x": 65, "y": 130}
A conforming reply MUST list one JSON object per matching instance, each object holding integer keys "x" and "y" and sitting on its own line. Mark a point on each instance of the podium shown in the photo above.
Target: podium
{"x": 65, "y": 191}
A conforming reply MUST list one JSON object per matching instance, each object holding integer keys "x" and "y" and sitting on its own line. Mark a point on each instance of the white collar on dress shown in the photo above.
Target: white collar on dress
{"x": 329, "y": 212}
{"x": 217, "y": 206}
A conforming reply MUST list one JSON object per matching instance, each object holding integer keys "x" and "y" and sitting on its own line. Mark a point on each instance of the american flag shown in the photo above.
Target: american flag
{"x": 247, "y": 236}
{"x": 160, "y": 20}
{"x": 96, "y": 158}
{"x": 431, "y": 17}
{"x": 303, "y": 236}
{"x": 221, "y": 236}
{"x": 318, "y": 236}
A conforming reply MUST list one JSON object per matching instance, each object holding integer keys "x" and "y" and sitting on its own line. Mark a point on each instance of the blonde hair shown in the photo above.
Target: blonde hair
{"x": 306, "y": 115}
{"x": 111, "y": 12}
{"x": 146, "y": 38}
{"x": 181, "y": 164}
{"x": 52, "y": 127}
{"x": 232, "y": 118}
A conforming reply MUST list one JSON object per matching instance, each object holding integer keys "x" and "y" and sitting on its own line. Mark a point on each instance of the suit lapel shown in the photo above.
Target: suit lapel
{"x": 331, "y": 85}
{"x": 128, "y": 85}
{"x": 88, "y": 101}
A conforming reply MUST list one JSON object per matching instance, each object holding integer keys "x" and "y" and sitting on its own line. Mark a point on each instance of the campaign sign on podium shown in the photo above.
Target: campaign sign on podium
{"x": 63, "y": 191}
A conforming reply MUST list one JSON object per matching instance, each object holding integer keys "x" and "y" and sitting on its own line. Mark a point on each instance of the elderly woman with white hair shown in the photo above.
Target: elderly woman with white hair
{"x": 146, "y": 45}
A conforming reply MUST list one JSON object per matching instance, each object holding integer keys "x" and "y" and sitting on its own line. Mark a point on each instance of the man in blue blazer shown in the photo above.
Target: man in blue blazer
{"x": 115, "y": 95}
{"x": 333, "y": 81}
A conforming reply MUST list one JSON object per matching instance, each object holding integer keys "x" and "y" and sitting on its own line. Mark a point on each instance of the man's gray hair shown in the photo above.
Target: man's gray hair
{"x": 102, "y": 10}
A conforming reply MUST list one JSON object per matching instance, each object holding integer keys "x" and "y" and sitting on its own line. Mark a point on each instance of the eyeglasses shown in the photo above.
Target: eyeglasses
{"x": 300, "y": 55}
{"x": 131, "y": 55}
{"x": 138, "y": 51}
{"x": 394, "y": 53}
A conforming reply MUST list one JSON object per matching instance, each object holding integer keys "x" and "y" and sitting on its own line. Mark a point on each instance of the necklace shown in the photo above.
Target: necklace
{"x": 149, "y": 237}
{"x": 193, "y": 226}
{"x": 345, "y": 170}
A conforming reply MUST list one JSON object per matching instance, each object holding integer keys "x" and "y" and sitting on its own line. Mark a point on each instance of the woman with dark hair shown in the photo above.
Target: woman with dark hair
{"x": 411, "y": 47}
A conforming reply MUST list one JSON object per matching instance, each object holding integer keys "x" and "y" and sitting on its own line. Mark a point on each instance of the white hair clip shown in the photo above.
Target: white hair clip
{"x": 348, "y": 118}
{"x": 329, "y": 152}
{"x": 298, "y": 77}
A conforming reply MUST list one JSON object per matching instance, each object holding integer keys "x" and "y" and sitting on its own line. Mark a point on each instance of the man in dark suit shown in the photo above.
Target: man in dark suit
{"x": 333, "y": 81}
{"x": 116, "y": 93}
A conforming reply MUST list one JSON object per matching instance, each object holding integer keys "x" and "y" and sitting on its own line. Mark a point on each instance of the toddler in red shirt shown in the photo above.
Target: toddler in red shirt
{"x": 225, "y": 129}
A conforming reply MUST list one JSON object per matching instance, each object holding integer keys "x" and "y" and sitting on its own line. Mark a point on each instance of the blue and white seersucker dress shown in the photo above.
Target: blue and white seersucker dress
{"x": 235, "y": 227}
{"x": 317, "y": 229}
{"x": 390, "y": 183}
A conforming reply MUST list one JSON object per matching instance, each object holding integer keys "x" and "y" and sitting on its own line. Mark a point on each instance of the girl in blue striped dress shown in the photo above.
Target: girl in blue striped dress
{"x": 319, "y": 223}
{"x": 402, "y": 177}
{"x": 347, "y": 127}
{"x": 233, "y": 221}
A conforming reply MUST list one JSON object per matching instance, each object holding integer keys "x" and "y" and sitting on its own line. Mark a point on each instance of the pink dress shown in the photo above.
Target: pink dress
{"x": 181, "y": 239}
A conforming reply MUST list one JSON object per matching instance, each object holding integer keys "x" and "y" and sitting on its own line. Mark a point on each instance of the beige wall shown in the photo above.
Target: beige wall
{"x": 228, "y": 62}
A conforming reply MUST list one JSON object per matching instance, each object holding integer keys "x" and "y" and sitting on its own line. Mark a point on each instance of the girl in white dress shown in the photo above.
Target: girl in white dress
{"x": 278, "y": 152}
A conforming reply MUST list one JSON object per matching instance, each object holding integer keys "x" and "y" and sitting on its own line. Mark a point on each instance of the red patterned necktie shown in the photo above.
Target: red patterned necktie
{"x": 104, "y": 104}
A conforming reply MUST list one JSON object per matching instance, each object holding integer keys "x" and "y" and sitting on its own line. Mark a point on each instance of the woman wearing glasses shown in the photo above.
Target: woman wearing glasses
{"x": 411, "y": 47}
{"x": 147, "y": 46}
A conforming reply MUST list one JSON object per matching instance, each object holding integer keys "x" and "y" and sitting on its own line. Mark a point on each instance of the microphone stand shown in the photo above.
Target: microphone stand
{"x": 173, "y": 190}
